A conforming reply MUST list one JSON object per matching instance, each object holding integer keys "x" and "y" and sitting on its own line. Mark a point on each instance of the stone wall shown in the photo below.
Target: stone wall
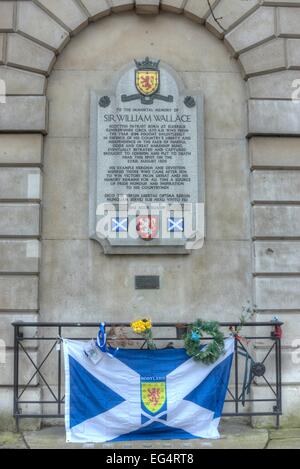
{"x": 264, "y": 38}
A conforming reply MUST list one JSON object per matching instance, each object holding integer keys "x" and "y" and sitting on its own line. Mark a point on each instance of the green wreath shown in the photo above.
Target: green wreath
{"x": 211, "y": 352}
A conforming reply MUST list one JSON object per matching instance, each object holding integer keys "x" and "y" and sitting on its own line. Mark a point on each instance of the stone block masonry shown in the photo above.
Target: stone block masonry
{"x": 264, "y": 38}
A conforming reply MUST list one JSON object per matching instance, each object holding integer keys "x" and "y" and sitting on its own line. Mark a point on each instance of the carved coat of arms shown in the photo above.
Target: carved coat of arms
{"x": 147, "y": 77}
{"x": 147, "y": 227}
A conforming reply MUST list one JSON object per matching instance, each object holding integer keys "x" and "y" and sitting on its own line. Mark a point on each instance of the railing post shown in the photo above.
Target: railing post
{"x": 16, "y": 375}
{"x": 279, "y": 378}
{"x": 236, "y": 373}
{"x": 59, "y": 372}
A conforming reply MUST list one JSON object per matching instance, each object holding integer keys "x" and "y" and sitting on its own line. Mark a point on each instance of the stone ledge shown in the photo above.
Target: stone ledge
{"x": 54, "y": 438}
{"x": 234, "y": 436}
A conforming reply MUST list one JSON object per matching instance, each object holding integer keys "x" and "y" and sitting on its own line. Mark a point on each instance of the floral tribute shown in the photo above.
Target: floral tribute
{"x": 209, "y": 353}
{"x": 143, "y": 327}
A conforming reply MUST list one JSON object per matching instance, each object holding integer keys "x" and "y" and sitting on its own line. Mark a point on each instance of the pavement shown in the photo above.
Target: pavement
{"x": 233, "y": 436}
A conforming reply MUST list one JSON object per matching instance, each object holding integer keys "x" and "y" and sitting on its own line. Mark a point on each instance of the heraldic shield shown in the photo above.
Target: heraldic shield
{"x": 148, "y": 227}
{"x": 153, "y": 394}
{"x": 147, "y": 77}
{"x": 147, "y": 81}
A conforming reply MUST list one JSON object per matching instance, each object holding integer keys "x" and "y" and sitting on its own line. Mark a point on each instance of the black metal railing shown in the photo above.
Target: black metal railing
{"x": 255, "y": 388}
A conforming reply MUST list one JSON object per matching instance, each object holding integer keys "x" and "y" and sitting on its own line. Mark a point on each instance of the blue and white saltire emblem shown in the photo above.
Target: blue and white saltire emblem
{"x": 143, "y": 394}
{"x": 119, "y": 224}
{"x": 175, "y": 225}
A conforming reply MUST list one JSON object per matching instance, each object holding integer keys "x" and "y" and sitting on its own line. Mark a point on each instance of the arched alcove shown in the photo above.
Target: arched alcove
{"x": 77, "y": 280}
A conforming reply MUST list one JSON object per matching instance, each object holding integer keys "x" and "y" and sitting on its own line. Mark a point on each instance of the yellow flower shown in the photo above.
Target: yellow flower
{"x": 141, "y": 325}
{"x": 135, "y": 327}
{"x": 148, "y": 324}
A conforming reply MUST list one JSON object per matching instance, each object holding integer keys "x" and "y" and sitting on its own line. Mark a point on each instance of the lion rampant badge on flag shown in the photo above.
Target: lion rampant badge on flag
{"x": 153, "y": 391}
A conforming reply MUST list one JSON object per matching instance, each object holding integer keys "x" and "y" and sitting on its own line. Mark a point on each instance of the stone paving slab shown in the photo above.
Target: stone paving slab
{"x": 293, "y": 443}
{"x": 285, "y": 434}
{"x": 10, "y": 440}
{"x": 233, "y": 436}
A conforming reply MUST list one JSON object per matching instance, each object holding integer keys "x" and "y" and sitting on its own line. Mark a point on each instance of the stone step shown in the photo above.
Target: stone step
{"x": 233, "y": 436}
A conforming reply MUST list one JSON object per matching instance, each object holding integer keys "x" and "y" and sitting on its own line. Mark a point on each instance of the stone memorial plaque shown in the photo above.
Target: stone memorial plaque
{"x": 147, "y": 170}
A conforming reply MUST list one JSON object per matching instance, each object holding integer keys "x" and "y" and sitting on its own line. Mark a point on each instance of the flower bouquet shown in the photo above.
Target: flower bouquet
{"x": 143, "y": 327}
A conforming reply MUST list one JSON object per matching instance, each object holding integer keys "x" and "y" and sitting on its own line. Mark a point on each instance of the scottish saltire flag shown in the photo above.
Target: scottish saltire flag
{"x": 119, "y": 224}
{"x": 143, "y": 395}
{"x": 175, "y": 225}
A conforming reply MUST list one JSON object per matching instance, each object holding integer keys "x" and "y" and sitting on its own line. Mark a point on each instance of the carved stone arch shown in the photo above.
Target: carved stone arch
{"x": 262, "y": 35}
